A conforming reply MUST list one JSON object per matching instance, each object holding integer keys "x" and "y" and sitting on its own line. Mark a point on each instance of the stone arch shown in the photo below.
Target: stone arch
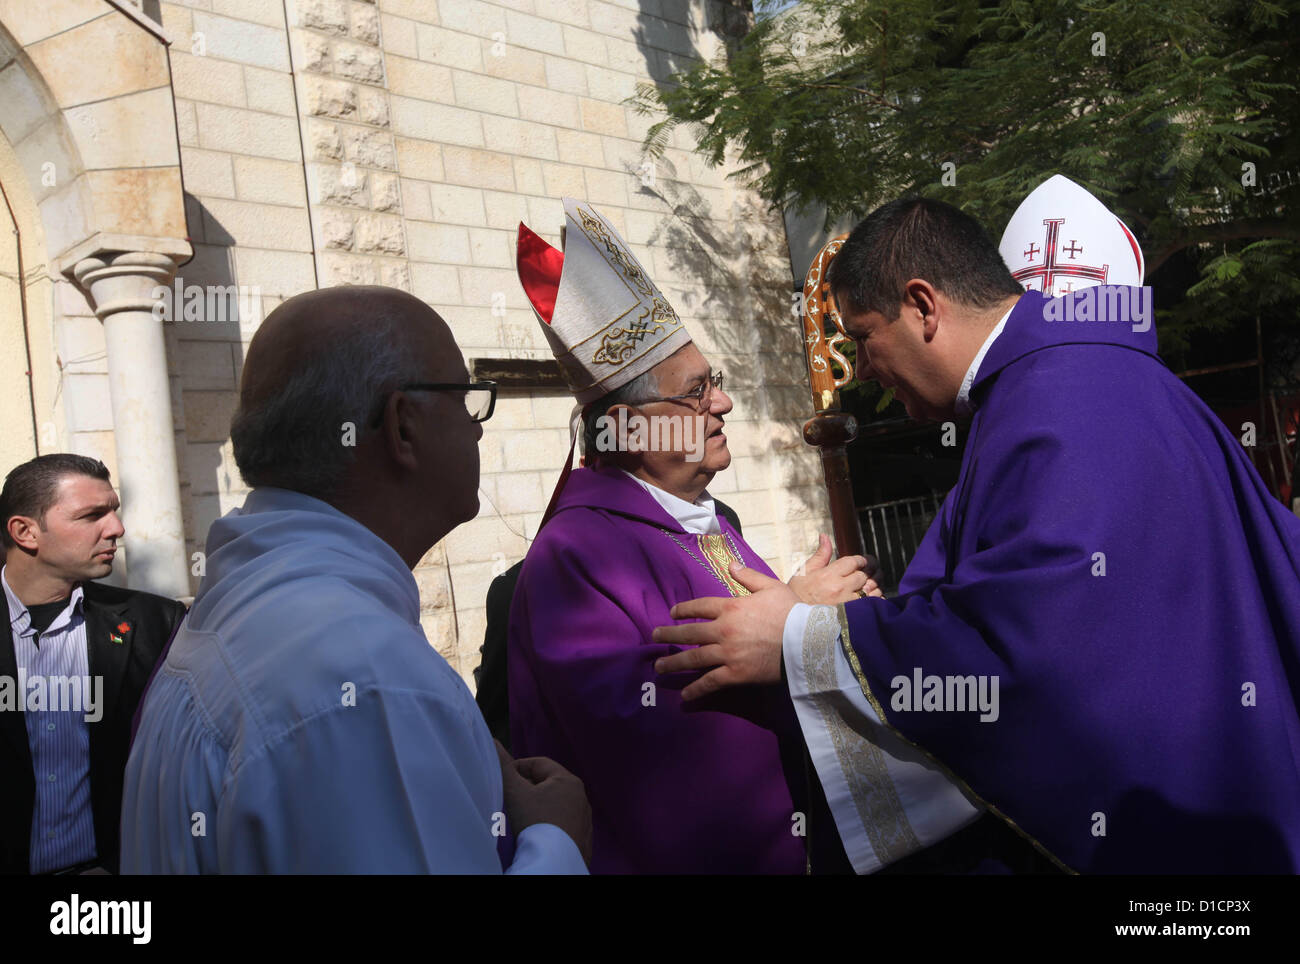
{"x": 87, "y": 111}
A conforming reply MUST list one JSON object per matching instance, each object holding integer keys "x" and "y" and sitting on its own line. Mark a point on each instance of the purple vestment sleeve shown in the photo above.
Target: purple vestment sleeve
{"x": 1111, "y": 558}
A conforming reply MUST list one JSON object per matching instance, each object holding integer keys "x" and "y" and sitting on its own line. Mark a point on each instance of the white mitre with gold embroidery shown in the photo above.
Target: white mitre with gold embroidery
{"x": 1061, "y": 239}
{"x": 605, "y": 320}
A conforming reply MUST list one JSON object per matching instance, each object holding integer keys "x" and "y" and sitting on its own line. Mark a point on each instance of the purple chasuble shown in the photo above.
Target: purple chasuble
{"x": 1111, "y": 556}
{"x": 671, "y": 790}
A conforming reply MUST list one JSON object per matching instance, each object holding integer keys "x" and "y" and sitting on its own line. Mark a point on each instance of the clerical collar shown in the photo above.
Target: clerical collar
{"x": 699, "y": 517}
{"x": 962, "y": 404}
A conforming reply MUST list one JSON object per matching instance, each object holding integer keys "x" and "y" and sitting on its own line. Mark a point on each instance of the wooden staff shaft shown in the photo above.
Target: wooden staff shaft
{"x": 830, "y": 432}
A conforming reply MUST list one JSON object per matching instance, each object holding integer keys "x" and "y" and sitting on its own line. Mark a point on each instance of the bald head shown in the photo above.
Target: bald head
{"x": 318, "y": 368}
{"x": 300, "y": 329}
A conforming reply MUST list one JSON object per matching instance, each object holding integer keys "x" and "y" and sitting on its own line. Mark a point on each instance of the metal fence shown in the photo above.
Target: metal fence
{"x": 893, "y": 531}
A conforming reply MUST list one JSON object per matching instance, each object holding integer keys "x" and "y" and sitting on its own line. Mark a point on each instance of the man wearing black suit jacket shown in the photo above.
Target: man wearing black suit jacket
{"x": 75, "y": 665}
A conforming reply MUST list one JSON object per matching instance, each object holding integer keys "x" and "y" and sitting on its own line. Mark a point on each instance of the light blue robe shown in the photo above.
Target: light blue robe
{"x": 302, "y": 723}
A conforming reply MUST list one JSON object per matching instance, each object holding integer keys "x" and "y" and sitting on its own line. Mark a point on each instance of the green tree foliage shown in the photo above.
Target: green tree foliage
{"x": 1181, "y": 116}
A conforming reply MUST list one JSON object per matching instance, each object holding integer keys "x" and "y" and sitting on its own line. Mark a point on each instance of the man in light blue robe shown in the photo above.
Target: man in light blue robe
{"x": 301, "y": 722}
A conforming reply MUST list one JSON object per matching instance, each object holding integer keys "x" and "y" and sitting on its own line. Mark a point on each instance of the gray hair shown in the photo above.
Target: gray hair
{"x": 643, "y": 387}
{"x": 295, "y": 438}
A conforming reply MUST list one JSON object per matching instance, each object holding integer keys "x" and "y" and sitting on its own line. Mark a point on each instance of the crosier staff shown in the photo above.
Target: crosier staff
{"x": 830, "y": 429}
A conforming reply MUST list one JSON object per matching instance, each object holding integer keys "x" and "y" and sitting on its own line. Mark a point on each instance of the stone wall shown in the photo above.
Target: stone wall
{"x": 401, "y": 143}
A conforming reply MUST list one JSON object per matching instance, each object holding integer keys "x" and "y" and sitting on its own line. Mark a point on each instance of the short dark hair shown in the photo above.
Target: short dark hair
{"x": 918, "y": 238}
{"x": 31, "y": 488}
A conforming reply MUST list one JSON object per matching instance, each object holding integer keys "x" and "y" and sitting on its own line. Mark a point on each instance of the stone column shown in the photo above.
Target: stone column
{"x": 120, "y": 285}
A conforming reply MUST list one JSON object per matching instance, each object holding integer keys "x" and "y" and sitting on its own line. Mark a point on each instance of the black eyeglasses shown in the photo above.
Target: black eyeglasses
{"x": 701, "y": 396}
{"x": 480, "y": 398}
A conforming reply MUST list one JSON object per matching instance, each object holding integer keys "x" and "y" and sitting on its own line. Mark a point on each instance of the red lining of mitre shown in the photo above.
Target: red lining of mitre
{"x": 1137, "y": 251}
{"x": 539, "y": 265}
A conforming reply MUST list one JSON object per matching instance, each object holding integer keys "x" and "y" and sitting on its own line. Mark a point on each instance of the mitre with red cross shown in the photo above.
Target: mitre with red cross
{"x": 605, "y": 320}
{"x": 1061, "y": 239}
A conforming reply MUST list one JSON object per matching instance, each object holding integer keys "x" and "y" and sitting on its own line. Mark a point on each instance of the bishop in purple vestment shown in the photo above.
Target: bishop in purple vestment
{"x": 719, "y": 789}
{"x": 671, "y": 791}
{"x": 1109, "y": 569}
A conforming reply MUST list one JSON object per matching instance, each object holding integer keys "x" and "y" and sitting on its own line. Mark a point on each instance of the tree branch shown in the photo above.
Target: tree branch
{"x": 1227, "y": 231}
{"x": 874, "y": 98}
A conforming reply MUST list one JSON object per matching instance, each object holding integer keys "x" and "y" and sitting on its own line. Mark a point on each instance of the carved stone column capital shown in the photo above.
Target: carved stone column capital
{"x": 123, "y": 280}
